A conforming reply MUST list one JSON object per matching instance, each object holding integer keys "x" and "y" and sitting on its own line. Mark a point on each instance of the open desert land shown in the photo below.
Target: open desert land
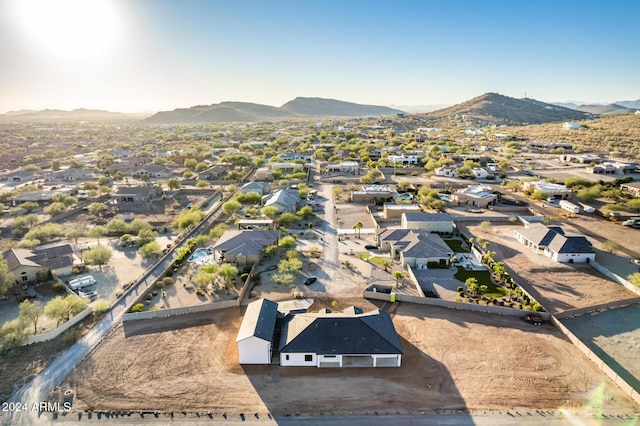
{"x": 453, "y": 360}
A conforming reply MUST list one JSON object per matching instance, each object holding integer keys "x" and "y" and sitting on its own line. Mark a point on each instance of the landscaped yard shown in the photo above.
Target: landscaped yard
{"x": 456, "y": 246}
{"x": 484, "y": 278}
{"x": 373, "y": 259}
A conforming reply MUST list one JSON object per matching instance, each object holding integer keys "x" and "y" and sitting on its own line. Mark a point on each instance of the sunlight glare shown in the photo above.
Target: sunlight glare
{"x": 72, "y": 30}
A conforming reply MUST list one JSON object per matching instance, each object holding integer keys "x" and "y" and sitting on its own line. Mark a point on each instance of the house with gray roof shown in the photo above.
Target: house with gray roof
{"x": 441, "y": 223}
{"x": 553, "y": 243}
{"x": 244, "y": 247}
{"x": 136, "y": 194}
{"x": 27, "y": 265}
{"x": 414, "y": 247}
{"x": 256, "y": 336}
{"x": 285, "y": 200}
{"x": 351, "y": 338}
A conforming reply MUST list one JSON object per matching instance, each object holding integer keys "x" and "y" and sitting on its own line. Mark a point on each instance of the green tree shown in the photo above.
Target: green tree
{"x": 288, "y": 218}
{"x": 6, "y": 277}
{"x": 386, "y": 265}
{"x": 231, "y": 207}
{"x": 97, "y": 232}
{"x": 358, "y": 227}
{"x": 288, "y": 242}
{"x": 227, "y": 272}
{"x": 283, "y": 278}
{"x": 31, "y": 312}
{"x": 634, "y": 204}
{"x": 74, "y": 234}
{"x": 485, "y": 226}
{"x": 151, "y": 250}
{"x": 270, "y": 251}
{"x": 203, "y": 279}
{"x": 337, "y": 191}
{"x": 218, "y": 230}
{"x": 188, "y": 217}
{"x": 399, "y": 275}
{"x": 201, "y": 166}
{"x": 55, "y": 165}
{"x": 250, "y": 198}
{"x": 98, "y": 255}
{"x": 62, "y": 307}
{"x": 306, "y": 212}
{"x": 55, "y": 209}
{"x": 634, "y": 279}
{"x": 97, "y": 209}
{"x": 539, "y": 195}
{"x": 269, "y": 211}
{"x": 472, "y": 286}
{"x": 28, "y": 206}
{"x": 173, "y": 183}
{"x": 12, "y": 334}
{"x": 289, "y": 265}
{"x": 190, "y": 163}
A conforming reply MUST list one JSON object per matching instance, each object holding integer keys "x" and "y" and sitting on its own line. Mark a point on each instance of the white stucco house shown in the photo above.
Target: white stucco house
{"x": 570, "y": 125}
{"x": 351, "y": 338}
{"x": 255, "y": 338}
{"x": 553, "y": 243}
{"x": 432, "y": 222}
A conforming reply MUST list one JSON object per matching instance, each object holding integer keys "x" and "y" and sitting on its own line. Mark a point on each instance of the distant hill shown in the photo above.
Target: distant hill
{"x": 499, "y": 109}
{"x": 629, "y": 104}
{"x": 329, "y": 107}
{"x": 606, "y": 109}
{"x": 244, "y": 111}
{"x": 80, "y": 114}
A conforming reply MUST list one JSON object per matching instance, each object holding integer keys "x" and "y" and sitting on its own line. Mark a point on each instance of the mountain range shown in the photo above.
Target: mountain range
{"x": 80, "y": 114}
{"x": 245, "y": 111}
{"x": 606, "y": 109}
{"x": 499, "y": 109}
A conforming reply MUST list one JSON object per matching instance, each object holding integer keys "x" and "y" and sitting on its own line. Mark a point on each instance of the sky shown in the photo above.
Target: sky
{"x": 150, "y": 55}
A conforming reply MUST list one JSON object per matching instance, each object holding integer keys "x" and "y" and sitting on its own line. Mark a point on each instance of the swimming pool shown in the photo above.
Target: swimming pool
{"x": 202, "y": 256}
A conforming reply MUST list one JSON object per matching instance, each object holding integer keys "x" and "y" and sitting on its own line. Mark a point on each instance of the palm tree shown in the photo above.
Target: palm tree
{"x": 358, "y": 226}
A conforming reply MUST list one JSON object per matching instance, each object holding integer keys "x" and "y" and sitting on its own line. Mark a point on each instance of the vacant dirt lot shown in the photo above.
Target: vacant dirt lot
{"x": 556, "y": 286}
{"x": 452, "y": 360}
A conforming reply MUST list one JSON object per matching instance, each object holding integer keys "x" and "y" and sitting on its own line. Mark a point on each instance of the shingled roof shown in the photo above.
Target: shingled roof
{"x": 348, "y": 333}
{"x": 259, "y": 320}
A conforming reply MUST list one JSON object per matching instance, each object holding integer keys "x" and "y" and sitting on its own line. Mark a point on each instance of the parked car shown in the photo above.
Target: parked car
{"x": 370, "y": 247}
{"x": 310, "y": 280}
{"x": 534, "y": 319}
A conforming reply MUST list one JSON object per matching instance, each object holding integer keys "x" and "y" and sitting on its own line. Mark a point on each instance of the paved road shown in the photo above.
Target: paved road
{"x": 43, "y": 384}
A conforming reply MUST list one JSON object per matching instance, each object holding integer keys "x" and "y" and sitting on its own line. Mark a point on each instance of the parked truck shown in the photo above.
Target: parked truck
{"x": 569, "y": 206}
{"x": 634, "y": 222}
{"x": 586, "y": 208}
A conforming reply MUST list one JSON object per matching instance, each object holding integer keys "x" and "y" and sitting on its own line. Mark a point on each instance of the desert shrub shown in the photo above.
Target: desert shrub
{"x": 253, "y": 294}
{"x": 153, "y": 309}
{"x": 199, "y": 292}
{"x": 244, "y": 277}
{"x": 167, "y": 281}
{"x": 149, "y": 296}
{"x": 459, "y": 289}
{"x": 256, "y": 279}
{"x": 138, "y": 307}
{"x": 527, "y": 308}
{"x": 246, "y": 269}
{"x": 58, "y": 287}
{"x": 164, "y": 294}
{"x": 147, "y": 302}
{"x": 155, "y": 293}
{"x": 71, "y": 336}
{"x": 101, "y": 306}
{"x": 169, "y": 273}
{"x": 458, "y": 299}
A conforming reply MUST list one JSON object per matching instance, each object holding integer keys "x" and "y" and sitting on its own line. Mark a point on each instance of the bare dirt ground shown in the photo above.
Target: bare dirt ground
{"x": 558, "y": 287}
{"x": 452, "y": 360}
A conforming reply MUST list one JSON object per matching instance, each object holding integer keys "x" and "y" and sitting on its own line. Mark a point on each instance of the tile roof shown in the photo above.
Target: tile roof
{"x": 246, "y": 242}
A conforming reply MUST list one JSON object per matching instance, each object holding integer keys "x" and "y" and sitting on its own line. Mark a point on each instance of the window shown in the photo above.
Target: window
{"x": 286, "y": 357}
{"x": 308, "y": 358}
{"x": 25, "y": 278}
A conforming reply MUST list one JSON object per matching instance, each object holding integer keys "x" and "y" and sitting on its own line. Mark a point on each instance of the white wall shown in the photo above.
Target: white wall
{"x": 429, "y": 226}
{"x": 254, "y": 350}
{"x": 577, "y": 257}
{"x": 298, "y": 360}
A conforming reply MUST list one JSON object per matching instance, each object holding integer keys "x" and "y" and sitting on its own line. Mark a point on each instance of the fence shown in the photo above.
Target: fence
{"x": 247, "y": 284}
{"x": 454, "y": 305}
{"x": 602, "y": 307}
{"x": 617, "y": 278}
{"x": 180, "y": 311}
{"x": 619, "y": 381}
{"x": 415, "y": 281}
{"x": 58, "y": 331}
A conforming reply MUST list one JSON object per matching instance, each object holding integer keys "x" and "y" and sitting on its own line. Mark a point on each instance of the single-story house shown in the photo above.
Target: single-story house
{"x": 286, "y": 167}
{"x": 371, "y": 193}
{"x": 432, "y": 222}
{"x": 153, "y": 171}
{"x": 256, "y": 335}
{"x": 137, "y": 194}
{"x": 71, "y": 175}
{"x": 261, "y": 188}
{"x": 26, "y": 265}
{"x": 414, "y": 247}
{"x": 632, "y": 188}
{"x": 285, "y": 200}
{"x": 344, "y": 167}
{"x": 446, "y": 171}
{"x": 552, "y": 190}
{"x": 393, "y": 211}
{"x": 264, "y": 174}
{"x": 351, "y": 338}
{"x": 555, "y": 244}
{"x": 244, "y": 247}
{"x": 476, "y": 195}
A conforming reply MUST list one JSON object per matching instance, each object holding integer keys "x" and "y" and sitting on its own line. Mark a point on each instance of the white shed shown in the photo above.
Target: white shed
{"x": 255, "y": 338}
